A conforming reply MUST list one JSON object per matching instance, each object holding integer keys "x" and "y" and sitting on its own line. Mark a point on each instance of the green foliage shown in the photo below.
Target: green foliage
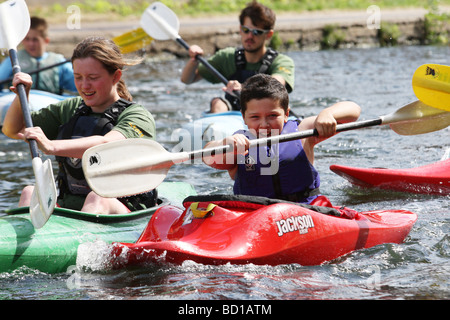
{"x": 122, "y": 7}
{"x": 275, "y": 42}
{"x": 437, "y": 25}
{"x": 437, "y": 29}
{"x": 388, "y": 34}
{"x": 202, "y": 7}
{"x": 332, "y": 38}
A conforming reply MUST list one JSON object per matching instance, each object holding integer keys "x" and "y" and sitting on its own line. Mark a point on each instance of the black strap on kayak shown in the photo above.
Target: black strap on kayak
{"x": 299, "y": 196}
{"x": 261, "y": 201}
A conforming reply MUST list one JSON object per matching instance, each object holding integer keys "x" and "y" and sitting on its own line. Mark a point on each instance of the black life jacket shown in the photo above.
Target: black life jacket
{"x": 71, "y": 177}
{"x": 241, "y": 74}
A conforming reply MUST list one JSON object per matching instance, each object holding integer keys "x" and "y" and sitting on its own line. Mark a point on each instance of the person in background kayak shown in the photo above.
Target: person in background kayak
{"x": 103, "y": 112}
{"x": 238, "y": 64}
{"x": 280, "y": 171}
{"x": 35, "y": 56}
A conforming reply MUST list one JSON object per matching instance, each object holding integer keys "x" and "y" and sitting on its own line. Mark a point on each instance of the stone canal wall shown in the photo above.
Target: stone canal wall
{"x": 302, "y": 31}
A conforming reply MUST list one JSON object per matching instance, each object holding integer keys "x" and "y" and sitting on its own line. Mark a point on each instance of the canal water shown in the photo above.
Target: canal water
{"x": 379, "y": 80}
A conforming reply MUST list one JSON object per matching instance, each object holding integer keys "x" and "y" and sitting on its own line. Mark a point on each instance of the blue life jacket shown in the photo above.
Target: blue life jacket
{"x": 281, "y": 171}
{"x": 241, "y": 74}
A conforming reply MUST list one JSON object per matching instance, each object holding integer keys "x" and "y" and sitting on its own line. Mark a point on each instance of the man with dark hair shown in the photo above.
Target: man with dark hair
{"x": 35, "y": 56}
{"x": 257, "y": 24}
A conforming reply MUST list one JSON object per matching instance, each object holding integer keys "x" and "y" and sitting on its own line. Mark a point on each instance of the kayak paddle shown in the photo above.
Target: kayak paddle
{"x": 161, "y": 23}
{"x": 14, "y": 26}
{"x": 133, "y": 40}
{"x": 38, "y": 70}
{"x": 133, "y": 166}
{"x": 431, "y": 84}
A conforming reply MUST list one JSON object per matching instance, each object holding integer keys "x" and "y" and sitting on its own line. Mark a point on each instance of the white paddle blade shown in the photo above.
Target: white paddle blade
{"x": 43, "y": 200}
{"x": 433, "y": 123}
{"x": 127, "y": 167}
{"x": 160, "y": 23}
{"x": 14, "y": 23}
{"x": 417, "y": 118}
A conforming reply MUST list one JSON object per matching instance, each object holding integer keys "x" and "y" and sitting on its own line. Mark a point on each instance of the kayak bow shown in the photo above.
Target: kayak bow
{"x": 433, "y": 178}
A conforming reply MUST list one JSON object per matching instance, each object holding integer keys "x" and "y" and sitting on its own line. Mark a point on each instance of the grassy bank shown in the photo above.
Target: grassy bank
{"x": 117, "y": 9}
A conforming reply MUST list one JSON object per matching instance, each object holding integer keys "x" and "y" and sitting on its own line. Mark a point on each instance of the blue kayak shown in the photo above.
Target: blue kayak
{"x": 38, "y": 100}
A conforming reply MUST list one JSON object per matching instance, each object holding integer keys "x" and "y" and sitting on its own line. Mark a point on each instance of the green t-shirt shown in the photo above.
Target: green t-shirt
{"x": 134, "y": 122}
{"x": 224, "y": 62}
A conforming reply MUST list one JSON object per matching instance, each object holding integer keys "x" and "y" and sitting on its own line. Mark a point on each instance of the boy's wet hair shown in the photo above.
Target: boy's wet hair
{"x": 262, "y": 86}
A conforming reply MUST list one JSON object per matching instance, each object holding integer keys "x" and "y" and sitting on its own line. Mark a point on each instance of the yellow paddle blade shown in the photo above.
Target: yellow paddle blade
{"x": 431, "y": 84}
{"x": 133, "y": 40}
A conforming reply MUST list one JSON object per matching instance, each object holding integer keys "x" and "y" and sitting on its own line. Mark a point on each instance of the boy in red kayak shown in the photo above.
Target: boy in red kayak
{"x": 280, "y": 171}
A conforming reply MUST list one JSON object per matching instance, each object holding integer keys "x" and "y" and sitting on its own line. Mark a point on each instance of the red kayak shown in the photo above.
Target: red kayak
{"x": 240, "y": 230}
{"x": 430, "y": 179}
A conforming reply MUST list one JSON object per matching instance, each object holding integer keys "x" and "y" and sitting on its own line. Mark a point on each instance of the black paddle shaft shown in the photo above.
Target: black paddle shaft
{"x": 38, "y": 70}
{"x": 208, "y": 66}
{"x": 23, "y": 101}
{"x": 284, "y": 138}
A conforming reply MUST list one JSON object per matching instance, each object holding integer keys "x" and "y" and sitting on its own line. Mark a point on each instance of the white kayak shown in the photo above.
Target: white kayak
{"x": 211, "y": 126}
{"x": 38, "y": 100}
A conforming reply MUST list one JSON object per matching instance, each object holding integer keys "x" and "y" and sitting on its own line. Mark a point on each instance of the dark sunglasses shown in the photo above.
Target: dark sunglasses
{"x": 255, "y": 32}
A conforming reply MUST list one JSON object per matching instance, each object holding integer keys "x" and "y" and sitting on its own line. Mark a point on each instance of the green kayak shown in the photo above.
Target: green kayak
{"x": 53, "y": 248}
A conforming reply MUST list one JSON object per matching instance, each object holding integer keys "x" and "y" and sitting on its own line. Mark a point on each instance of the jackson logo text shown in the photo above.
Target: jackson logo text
{"x": 295, "y": 223}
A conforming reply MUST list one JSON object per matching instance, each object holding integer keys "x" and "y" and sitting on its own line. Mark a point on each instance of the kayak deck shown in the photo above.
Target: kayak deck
{"x": 241, "y": 232}
{"x": 433, "y": 178}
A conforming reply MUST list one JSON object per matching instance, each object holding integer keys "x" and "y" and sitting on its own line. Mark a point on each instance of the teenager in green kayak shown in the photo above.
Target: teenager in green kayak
{"x": 102, "y": 113}
{"x": 280, "y": 171}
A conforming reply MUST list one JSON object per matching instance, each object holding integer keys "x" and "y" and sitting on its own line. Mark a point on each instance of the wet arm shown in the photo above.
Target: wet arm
{"x": 227, "y": 161}
{"x": 325, "y": 123}
{"x": 190, "y": 72}
{"x": 75, "y": 148}
{"x": 14, "y": 123}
